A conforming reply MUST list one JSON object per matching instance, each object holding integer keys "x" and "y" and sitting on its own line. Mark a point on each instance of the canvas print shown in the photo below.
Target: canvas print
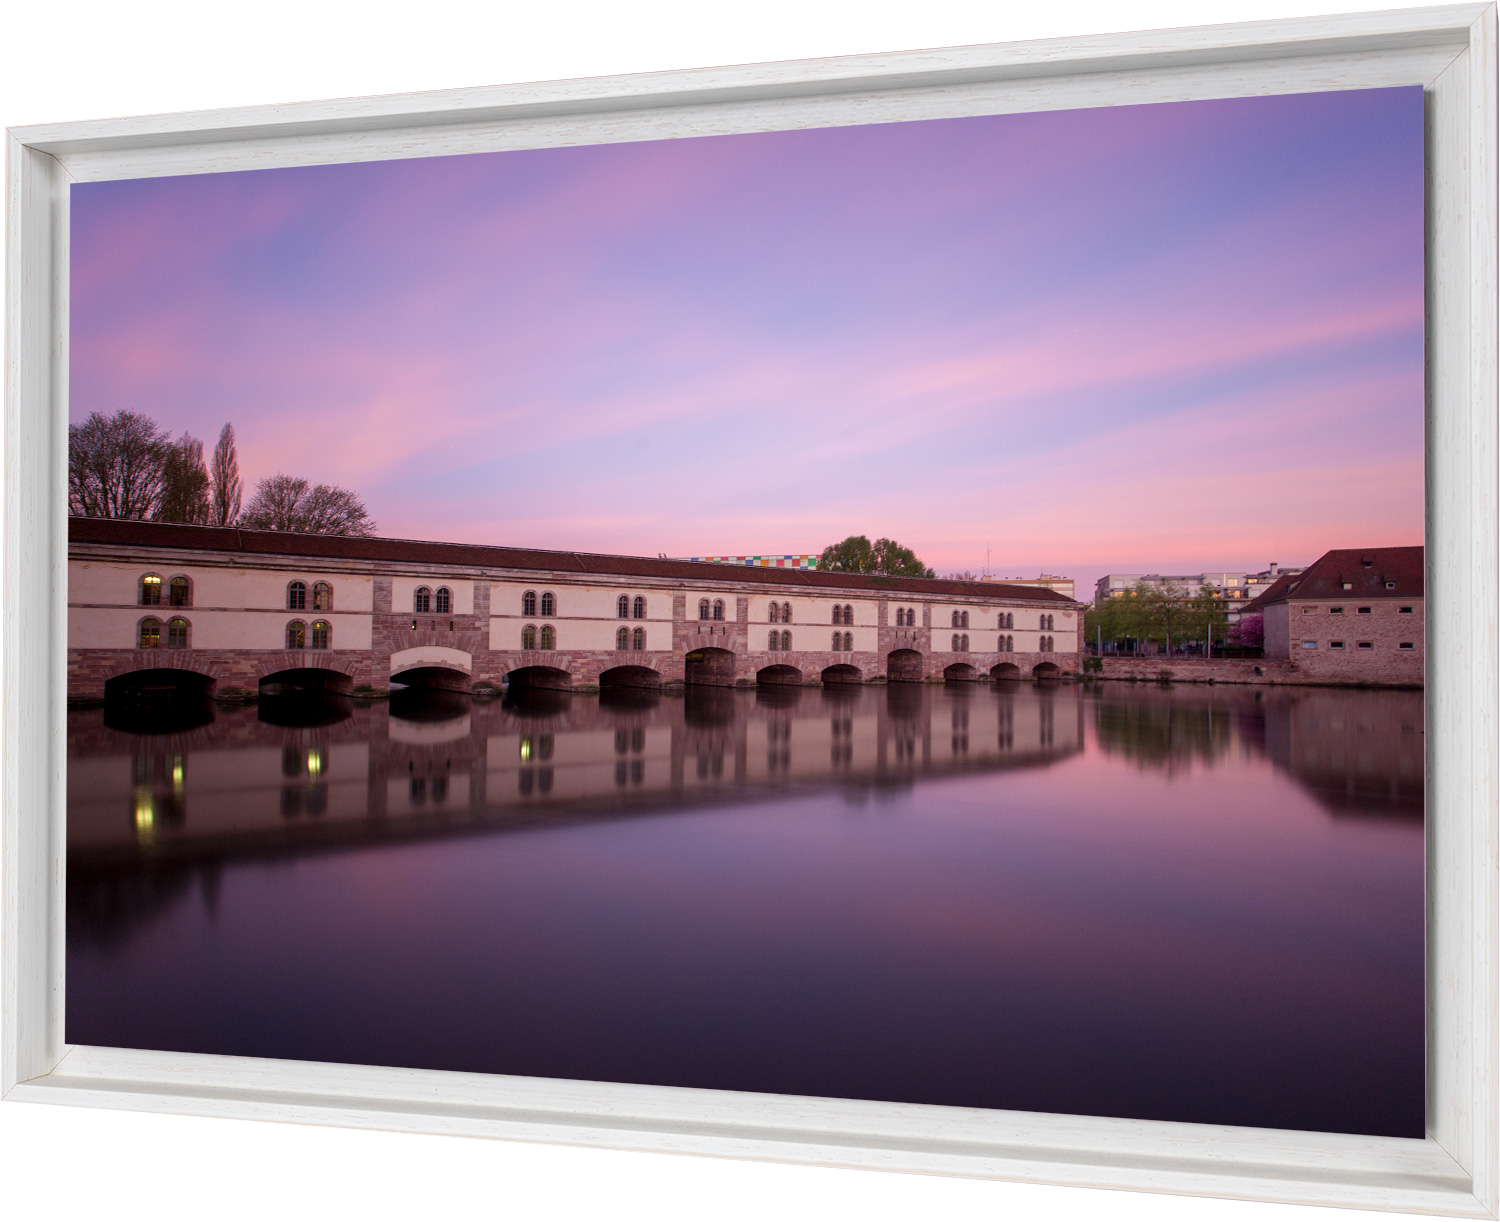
{"x": 926, "y": 612}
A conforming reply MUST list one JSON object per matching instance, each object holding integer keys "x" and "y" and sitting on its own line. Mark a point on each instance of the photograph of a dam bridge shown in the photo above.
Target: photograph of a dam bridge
{"x": 928, "y": 612}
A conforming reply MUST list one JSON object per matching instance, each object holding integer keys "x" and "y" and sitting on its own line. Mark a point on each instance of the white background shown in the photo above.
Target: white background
{"x": 68, "y": 60}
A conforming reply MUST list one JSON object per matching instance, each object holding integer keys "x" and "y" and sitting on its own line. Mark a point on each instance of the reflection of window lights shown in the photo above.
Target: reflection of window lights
{"x": 314, "y": 761}
{"x": 525, "y": 749}
{"x": 144, "y": 815}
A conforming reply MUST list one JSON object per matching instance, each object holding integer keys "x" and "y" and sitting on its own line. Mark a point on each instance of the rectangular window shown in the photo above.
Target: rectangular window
{"x": 1335, "y": 610}
{"x": 1366, "y": 645}
{"x": 1309, "y": 644}
{"x": 1408, "y": 645}
{"x": 1308, "y": 610}
{"x": 1335, "y": 644}
{"x": 1364, "y": 610}
{"x": 1404, "y": 610}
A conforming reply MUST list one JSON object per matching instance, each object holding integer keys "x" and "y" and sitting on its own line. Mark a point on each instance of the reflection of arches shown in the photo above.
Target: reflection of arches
{"x": 842, "y": 674}
{"x": 1005, "y": 670}
{"x": 960, "y": 672}
{"x": 159, "y": 700}
{"x": 542, "y": 678}
{"x": 779, "y": 675}
{"x": 710, "y": 667}
{"x": 904, "y": 666}
{"x": 1046, "y": 670}
{"x": 630, "y": 676}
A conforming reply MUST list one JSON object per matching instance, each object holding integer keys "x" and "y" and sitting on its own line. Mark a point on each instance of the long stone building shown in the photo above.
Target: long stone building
{"x": 233, "y": 610}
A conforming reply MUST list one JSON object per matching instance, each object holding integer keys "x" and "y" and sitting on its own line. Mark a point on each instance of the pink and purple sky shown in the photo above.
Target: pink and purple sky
{"x": 1156, "y": 338}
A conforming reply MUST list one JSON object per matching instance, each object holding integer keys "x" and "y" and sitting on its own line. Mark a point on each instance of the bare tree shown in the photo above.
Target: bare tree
{"x": 288, "y": 502}
{"x": 184, "y": 494}
{"x": 224, "y": 500}
{"x": 115, "y": 466}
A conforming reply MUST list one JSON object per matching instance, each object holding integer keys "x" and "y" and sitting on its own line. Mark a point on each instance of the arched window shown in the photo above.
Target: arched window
{"x": 848, "y": 640}
{"x": 549, "y": 603}
{"x": 528, "y": 635}
{"x": 622, "y": 638}
{"x": 296, "y": 596}
{"x": 848, "y": 613}
{"x": 838, "y": 614}
{"x": 622, "y": 609}
{"x": 549, "y": 637}
{"x": 528, "y": 603}
{"x": 1046, "y": 644}
{"x": 786, "y": 613}
{"x": 955, "y": 642}
{"x": 638, "y": 639}
{"x": 703, "y": 608}
{"x": 322, "y": 596}
{"x": 150, "y": 590}
{"x": 422, "y": 600}
{"x": 963, "y": 620}
{"x": 322, "y": 635}
{"x": 180, "y": 592}
{"x": 718, "y": 608}
{"x": 786, "y": 638}
{"x": 150, "y": 634}
{"x": 963, "y": 643}
{"x": 444, "y": 601}
{"x": 838, "y": 639}
{"x": 638, "y": 608}
{"x": 775, "y": 642}
{"x": 955, "y": 619}
{"x": 296, "y": 635}
{"x": 775, "y": 616}
{"x": 1047, "y": 622}
{"x": 177, "y": 633}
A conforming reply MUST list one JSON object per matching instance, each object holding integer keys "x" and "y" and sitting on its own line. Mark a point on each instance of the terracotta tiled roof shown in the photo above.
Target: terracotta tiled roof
{"x": 1375, "y": 572}
{"x": 120, "y": 533}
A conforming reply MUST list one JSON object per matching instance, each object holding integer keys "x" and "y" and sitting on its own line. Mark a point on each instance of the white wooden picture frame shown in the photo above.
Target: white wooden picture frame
{"x": 1451, "y": 52}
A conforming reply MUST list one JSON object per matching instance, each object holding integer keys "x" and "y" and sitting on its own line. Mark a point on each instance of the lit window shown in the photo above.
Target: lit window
{"x": 774, "y": 642}
{"x": 622, "y": 639}
{"x": 180, "y": 592}
{"x": 296, "y": 635}
{"x": 443, "y": 603}
{"x": 549, "y": 603}
{"x": 528, "y": 636}
{"x": 638, "y": 639}
{"x": 296, "y": 596}
{"x": 177, "y": 633}
{"x": 528, "y": 603}
{"x": 421, "y": 601}
{"x": 322, "y": 635}
{"x": 549, "y": 637}
{"x": 151, "y": 591}
{"x": 150, "y": 634}
{"x": 322, "y": 596}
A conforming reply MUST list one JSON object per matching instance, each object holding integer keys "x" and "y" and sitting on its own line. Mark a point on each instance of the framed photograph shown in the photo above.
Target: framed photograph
{"x": 735, "y": 612}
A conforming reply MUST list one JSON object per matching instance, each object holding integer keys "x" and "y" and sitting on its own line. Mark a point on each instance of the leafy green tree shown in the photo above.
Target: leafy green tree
{"x": 885, "y": 557}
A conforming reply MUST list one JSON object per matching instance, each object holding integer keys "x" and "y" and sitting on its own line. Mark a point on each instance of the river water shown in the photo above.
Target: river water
{"x": 1179, "y": 903}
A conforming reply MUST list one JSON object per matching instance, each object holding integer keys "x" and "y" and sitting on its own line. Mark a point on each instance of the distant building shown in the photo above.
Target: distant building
{"x": 1063, "y": 585}
{"x": 1236, "y": 586}
{"x": 764, "y": 562}
{"x": 1353, "y": 615}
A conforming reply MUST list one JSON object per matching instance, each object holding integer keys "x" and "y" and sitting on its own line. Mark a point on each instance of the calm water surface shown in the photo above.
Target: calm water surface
{"x": 1190, "y": 903}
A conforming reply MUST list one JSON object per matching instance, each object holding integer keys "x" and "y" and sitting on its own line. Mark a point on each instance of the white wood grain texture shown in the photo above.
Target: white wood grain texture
{"x": 1259, "y": 1164}
{"x": 31, "y": 827}
{"x": 1451, "y": 51}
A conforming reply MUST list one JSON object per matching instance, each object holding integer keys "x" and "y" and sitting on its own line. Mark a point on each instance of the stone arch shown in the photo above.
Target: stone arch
{"x": 639, "y": 677}
{"x": 709, "y": 667}
{"x": 779, "y": 675}
{"x": 842, "y": 673}
{"x": 164, "y": 679}
{"x": 904, "y": 666}
{"x": 540, "y": 678}
{"x": 305, "y": 679}
{"x": 1005, "y": 670}
{"x": 1046, "y": 670}
{"x": 158, "y": 700}
{"x": 434, "y": 666}
{"x": 960, "y": 672}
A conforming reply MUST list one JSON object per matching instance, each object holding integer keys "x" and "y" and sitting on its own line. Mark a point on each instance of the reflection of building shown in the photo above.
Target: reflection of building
{"x": 1354, "y": 615}
{"x": 1233, "y": 585}
{"x": 434, "y": 763}
{"x": 240, "y": 609}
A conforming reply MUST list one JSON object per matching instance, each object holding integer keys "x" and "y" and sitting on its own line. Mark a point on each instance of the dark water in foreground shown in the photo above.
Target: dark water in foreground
{"x": 1196, "y": 904}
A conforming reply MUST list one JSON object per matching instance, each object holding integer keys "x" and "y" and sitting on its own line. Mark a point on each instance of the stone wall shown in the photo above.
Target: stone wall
{"x": 1236, "y": 670}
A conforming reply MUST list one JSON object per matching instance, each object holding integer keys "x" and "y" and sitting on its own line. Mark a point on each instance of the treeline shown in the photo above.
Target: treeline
{"x": 1165, "y": 613}
{"x": 126, "y": 466}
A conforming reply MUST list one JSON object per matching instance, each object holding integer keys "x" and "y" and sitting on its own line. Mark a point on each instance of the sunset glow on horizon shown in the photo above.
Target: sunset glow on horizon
{"x": 1163, "y": 338}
